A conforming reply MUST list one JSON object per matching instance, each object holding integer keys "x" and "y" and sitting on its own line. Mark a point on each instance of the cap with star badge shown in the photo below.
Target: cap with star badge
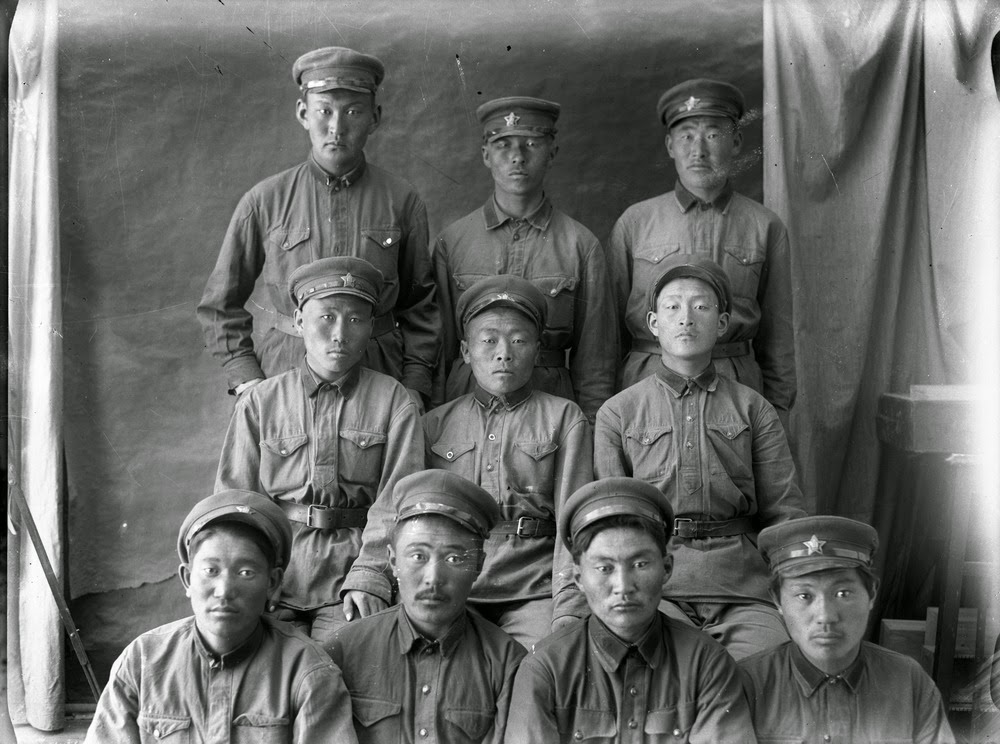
{"x": 684, "y": 265}
{"x": 442, "y": 493}
{"x": 336, "y": 275}
{"x": 246, "y": 507}
{"x": 700, "y": 97}
{"x": 503, "y": 290}
{"x": 331, "y": 68}
{"x": 613, "y": 497}
{"x": 529, "y": 117}
{"x": 809, "y": 544}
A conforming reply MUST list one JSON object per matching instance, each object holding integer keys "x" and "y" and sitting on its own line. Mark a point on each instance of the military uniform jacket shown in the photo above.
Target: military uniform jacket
{"x": 296, "y": 438}
{"x": 882, "y": 697}
{"x": 405, "y": 688}
{"x": 304, "y": 214}
{"x": 584, "y": 684}
{"x": 277, "y": 687}
{"x": 749, "y": 241}
{"x": 566, "y": 262}
{"x": 530, "y": 451}
{"x": 717, "y": 451}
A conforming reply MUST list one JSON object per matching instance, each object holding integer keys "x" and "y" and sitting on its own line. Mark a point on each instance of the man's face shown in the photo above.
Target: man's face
{"x": 703, "y": 149}
{"x": 500, "y": 345}
{"x": 339, "y": 123}
{"x": 435, "y": 562}
{"x": 229, "y": 582}
{"x": 519, "y": 164}
{"x": 826, "y": 614}
{"x": 687, "y": 321}
{"x": 622, "y": 573}
{"x": 336, "y": 329}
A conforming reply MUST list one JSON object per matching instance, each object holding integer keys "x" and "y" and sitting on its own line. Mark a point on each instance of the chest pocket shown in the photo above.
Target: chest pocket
{"x": 674, "y": 722}
{"x": 743, "y": 264}
{"x": 254, "y": 728}
{"x": 532, "y": 467}
{"x": 379, "y": 717}
{"x": 159, "y": 728}
{"x": 287, "y": 249}
{"x": 284, "y": 464}
{"x": 733, "y": 448}
{"x": 560, "y": 296}
{"x": 361, "y": 455}
{"x": 651, "y": 254}
{"x": 578, "y": 724}
{"x": 473, "y": 723}
{"x": 380, "y": 247}
{"x": 650, "y": 451}
{"x": 458, "y": 457}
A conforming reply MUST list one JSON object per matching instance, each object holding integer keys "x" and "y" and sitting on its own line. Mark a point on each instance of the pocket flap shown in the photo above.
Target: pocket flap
{"x": 259, "y": 720}
{"x": 649, "y": 436}
{"x": 161, "y": 726}
{"x": 655, "y": 252}
{"x": 285, "y": 446}
{"x": 370, "y": 711}
{"x": 464, "y": 281}
{"x": 675, "y": 722}
{"x": 745, "y": 255}
{"x": 452, "y": 450}
{"x": 386, "y": 237}
{"x": 582, "y": 724}
{"x": 364, "y": 439}
{"x": 287, "y": 240}
{"x": 729, "y": 430}
{"x": 475, "y": 723}
{"x": 553, "y": 285}
{"x": 536, "y": 450}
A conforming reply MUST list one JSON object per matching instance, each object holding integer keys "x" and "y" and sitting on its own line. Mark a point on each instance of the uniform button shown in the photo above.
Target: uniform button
{"x": 283, "y": 245}
{"x": 425, "y": 689}
{"x": 677, "y": 732}
{"x": 645, "y": 440}
{"x": 826, "y": 737}
{"x": 578, "y": 736}
{"x": 554, "y": 292}
{"x": 516, "y": 237}
{"x": 284, "y": 452}
{"x": 633, "y": 724}
{"x": 423, "y": 732}
{"x": 688, "y": 445}
{"x": 493, "y": 437}
{"x": 364, "y": 442}
{"x": 156, "y": 733}
{"x": 388, "y": 241}
{"x": 632, "y": 691}
{"x": 689, "y": 418}
{"x": 450, "y": 455}
{"x": 489, "y": 467}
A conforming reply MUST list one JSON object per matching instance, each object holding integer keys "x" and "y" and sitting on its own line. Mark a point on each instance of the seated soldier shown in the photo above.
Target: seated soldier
{"x": 827, "y": 683}
{"x": 627, "y": 673}
{"x": 528, "y": 449}
{"x": 718, "y": 452}
{"x": 429, "y": 670}
{"x": 230, "y": 673}
{"x": 323, "y": 441}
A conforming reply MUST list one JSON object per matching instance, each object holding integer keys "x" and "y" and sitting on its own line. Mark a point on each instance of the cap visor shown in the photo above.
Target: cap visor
{"x": 716, "y": 112}
{"x": 803, "y": 567}
{"x": 517, "y": 131}
{"x": 339, "y": 86}
{"x": 337, "y": 291}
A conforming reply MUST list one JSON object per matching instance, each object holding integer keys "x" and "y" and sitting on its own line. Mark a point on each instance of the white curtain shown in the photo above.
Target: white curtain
{"x": 35, "y": 636}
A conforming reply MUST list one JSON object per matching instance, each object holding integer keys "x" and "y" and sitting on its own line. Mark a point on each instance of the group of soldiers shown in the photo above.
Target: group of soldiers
{"x": 512, "y": 485}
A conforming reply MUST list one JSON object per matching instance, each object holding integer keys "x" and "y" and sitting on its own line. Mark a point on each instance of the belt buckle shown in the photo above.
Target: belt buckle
{"x": 309, "y": 515}
{"x": 677, "y": 522}
{"x": 521, "y": 530}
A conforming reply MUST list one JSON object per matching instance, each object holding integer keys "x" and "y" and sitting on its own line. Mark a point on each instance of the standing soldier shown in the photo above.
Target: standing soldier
{"x": 703, "y": 215}
{"x": 518, "y": 231}
{"x": 334, "y": 204}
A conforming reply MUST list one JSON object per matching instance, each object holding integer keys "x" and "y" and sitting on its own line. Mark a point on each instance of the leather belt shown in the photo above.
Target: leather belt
{"x": 383, "y": 324}
{"x": 719, "y": 351}
{"x": 526, "y": 527}
{"x": 551, "y": 358}
{"x": 690, "y": 528}
{"x": 321, "y": 517}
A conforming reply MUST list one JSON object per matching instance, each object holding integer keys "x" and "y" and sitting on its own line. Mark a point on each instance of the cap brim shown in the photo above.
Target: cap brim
{"x": 517, "y": 131}
{"x": 502, "y": 303}
{"x": 338, "y": 86}
{"x": 337, "y": 291}
{"x": 812, "y": 565}
{"x": 716, "y": 112}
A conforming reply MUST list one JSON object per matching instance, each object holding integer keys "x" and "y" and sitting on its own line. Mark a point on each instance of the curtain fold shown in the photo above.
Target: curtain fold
{"x": 35, "y": 640}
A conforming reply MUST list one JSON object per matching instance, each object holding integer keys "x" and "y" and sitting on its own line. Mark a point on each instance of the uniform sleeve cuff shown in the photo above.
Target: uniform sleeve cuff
{"x": 417, "y": 377}
{"x": 241, "y": 369}
{"x": 366, "y": 580}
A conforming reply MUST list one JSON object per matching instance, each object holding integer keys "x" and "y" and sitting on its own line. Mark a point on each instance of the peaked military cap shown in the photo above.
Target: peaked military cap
{"x": 503, "y": 290}
{"x": 443, "y": 493}
{"x": 612, "y": 497}
{"x": 503, "y": 117}
{"x": 700, "y": 97}
{"x": 331, "y": 68}
{"x": 246, "y": 507}
{"x": 810, "y": 544}
{"x": 685, "y": 265}
{"x": 336, "y": 275}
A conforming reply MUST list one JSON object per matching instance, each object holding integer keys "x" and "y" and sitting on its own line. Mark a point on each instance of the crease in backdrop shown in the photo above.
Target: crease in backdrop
{"x": 34, "y": 637}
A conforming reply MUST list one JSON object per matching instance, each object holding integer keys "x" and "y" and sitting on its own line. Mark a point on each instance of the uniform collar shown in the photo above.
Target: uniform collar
{"x": 707, "y": 379}
{"x": 811, "y": 679}
{"x": 348, "y": 179}
{"x": 234, "y": 657}
{"x": 538, "y": 219}
{"x": 612, "y": 650}
{"x": 313, "y": 384}
{"x": 410, "y": 640}
{"x": 686, "y": 199}
{"x": 510, "y": 401}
